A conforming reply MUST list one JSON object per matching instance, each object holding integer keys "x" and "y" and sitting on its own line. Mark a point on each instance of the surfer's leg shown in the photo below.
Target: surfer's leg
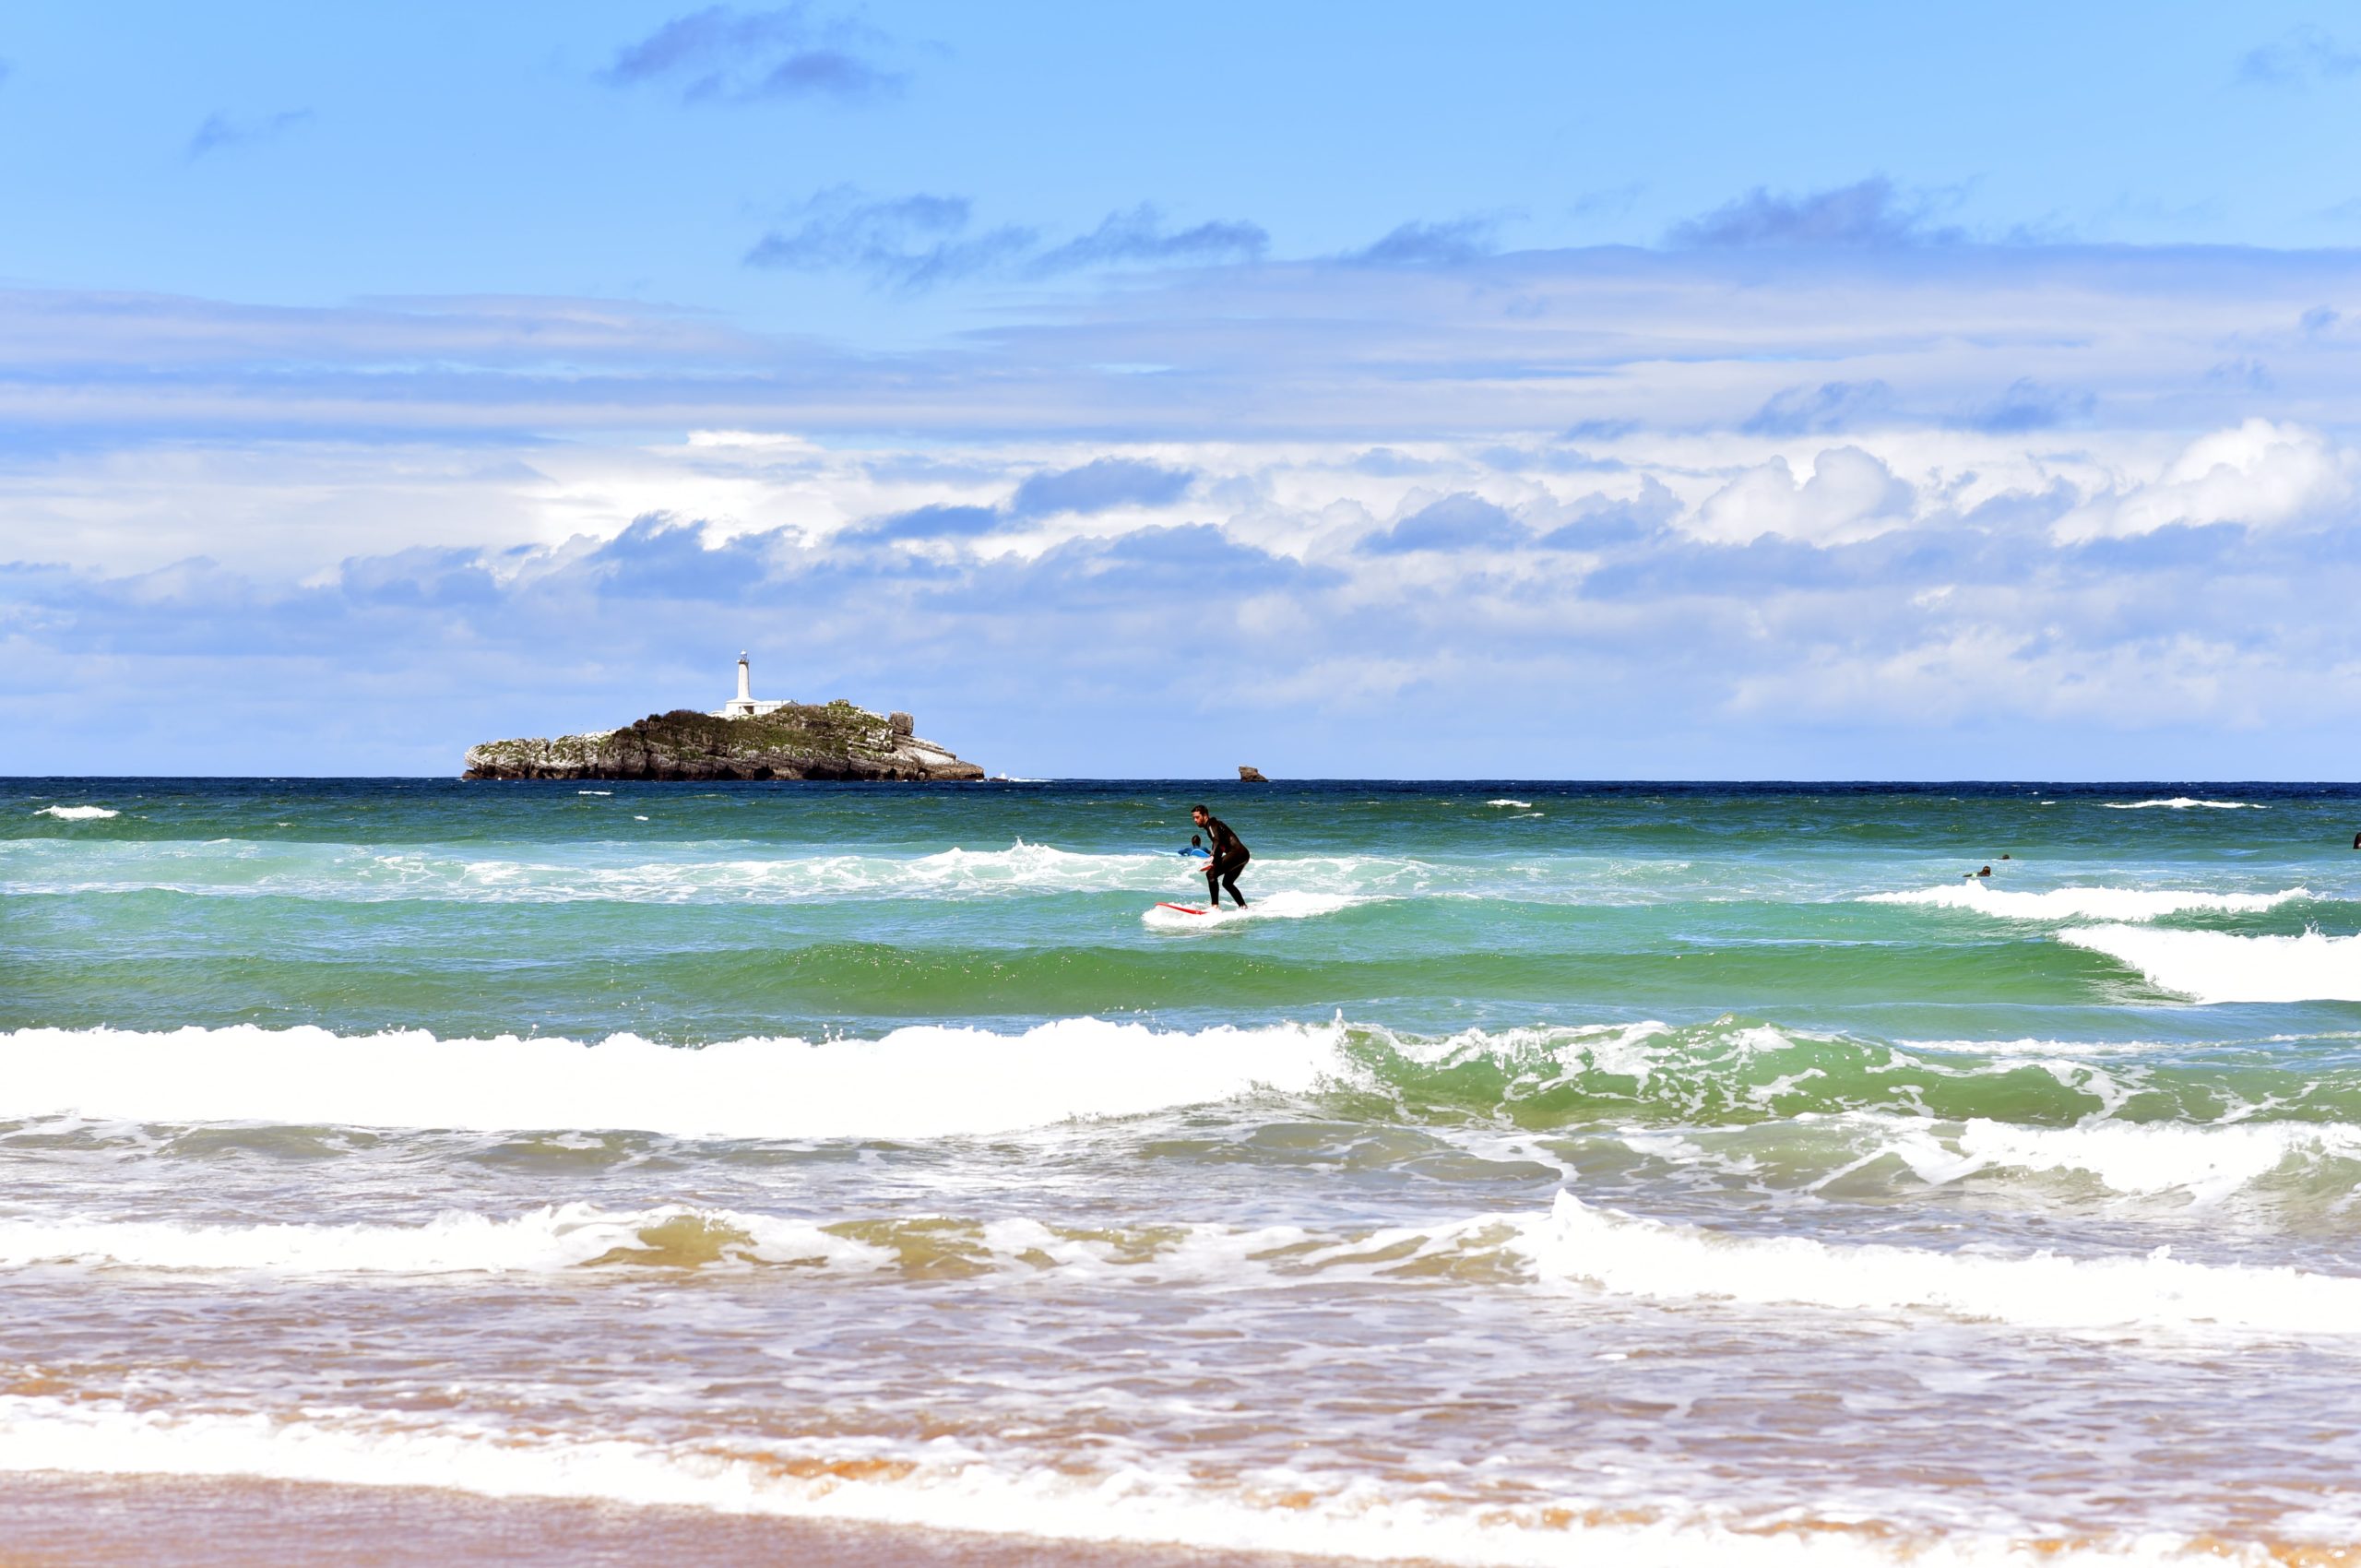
{"x": 1213, "y": 886}
{"x": 1230, "y": 880}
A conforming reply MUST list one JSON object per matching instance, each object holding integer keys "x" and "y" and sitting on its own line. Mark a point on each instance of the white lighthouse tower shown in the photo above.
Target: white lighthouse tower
{"x": 743, "y": 704}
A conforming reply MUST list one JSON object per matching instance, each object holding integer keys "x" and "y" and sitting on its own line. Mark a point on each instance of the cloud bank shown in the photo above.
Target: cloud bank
{"x": 1875, "y": 501}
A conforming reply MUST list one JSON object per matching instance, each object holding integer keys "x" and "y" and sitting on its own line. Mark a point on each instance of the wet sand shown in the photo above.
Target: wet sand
{"x": 176, "y": 1522}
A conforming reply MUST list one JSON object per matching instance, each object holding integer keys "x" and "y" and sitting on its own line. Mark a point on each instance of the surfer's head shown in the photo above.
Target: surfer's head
{"x": 1199, "y": 814}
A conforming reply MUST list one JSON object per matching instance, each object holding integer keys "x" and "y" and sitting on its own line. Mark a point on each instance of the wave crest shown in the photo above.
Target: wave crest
{"x": 2087, "y": 903}
{"x": 1572, "y": 1240}
{"x": 2212, "y": 965}
{"x": 548, "y": 1238}
{"x": 632, "y": 874}
{"x": 1629, "y": 1255}
{"x": 918, "y": 1082}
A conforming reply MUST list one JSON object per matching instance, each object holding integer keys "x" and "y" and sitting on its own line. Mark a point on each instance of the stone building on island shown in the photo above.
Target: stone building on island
{"x": 745, "y": 705}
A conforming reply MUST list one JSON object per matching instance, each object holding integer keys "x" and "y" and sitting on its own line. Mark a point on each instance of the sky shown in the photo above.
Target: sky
{"x": 1527, "y": 391}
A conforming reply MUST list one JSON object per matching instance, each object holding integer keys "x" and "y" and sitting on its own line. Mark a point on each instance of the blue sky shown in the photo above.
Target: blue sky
{"x": 1591, "y": 392}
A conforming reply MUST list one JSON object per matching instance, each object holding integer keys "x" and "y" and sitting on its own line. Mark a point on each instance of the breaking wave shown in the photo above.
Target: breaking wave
{"x": 77, "y": 813}
{"x": 1021, "y": 868}
{"x": 2086, "y": 903}
{"x": 2204, "y": 1162}
{"x": 2208, "y": 966}
{"x": 2182, "y": 803}
{"x": 918, "y": 1082}
{"x": 548, "y": 1239}
{"x": 1631, "y": 1256}
{"x": 947, "y": 1082}
{"x": 582, "y": 1235}
{"x": 697, "y": 875}
{"x": 2201, "y": 1164}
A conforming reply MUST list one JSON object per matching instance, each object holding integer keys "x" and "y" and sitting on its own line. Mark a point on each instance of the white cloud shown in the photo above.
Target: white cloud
{"x": 2258, "y": 473}
{"x": 1850, "y": 496}
{"x": 1624, "y": 629}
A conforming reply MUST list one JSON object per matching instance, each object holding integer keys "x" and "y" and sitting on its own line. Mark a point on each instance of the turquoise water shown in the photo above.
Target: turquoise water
{"x": 1533, "y": 1170}
{"x": 473, "y": 909}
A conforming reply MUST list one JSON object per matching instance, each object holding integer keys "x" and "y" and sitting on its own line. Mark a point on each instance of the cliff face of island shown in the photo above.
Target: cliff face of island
{"x": 790, "y": 741}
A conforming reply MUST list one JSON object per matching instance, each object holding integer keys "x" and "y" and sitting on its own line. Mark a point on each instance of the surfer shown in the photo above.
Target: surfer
{"x": 1196, "y": 850}
{"x": 1229, "y": 857}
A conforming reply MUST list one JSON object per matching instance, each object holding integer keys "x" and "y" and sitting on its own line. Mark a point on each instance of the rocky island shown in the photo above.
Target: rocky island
{"x": 745, "y": 740}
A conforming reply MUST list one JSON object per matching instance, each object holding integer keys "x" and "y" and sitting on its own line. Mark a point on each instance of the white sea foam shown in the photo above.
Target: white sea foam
{"x": 628, "y": 869}
{"x": 572, "y": 1236}
{"x": 950, "y": 873}
{"x": 2200, "y": 1164}
{"x": 77, "y": 813}
{"x": 2085, "y": 903}
{"x": 2032, "y": 1045}
{"x": 1521, "y": 805}
{"x": 1631, "y": 1256}
{"x": 1288, "y": 906}
{"x": 2210, "y": 966}
{"x": 542, "y": 1240}
{"x": 2182, "y": 803}
{"x": 1621, "y": 1254}
{"x": 594, "y": 791}
{"x": 2206, "y": 1162}
{"x": 632, "y": 872}
{"x": 916, "y": 1082}
{"x": 948, "y": 1484}
{"x": 697, "y": 875}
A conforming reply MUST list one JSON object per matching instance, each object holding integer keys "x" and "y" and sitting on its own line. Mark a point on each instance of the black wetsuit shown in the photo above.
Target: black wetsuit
{"x": 1230, "y": 859}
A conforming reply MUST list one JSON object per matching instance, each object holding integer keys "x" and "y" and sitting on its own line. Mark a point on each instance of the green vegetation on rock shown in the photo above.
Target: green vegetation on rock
{"x": 835, "y": 740}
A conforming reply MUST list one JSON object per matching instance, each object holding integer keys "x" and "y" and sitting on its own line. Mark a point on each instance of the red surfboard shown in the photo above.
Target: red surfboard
{"x": 1182, "y": 908}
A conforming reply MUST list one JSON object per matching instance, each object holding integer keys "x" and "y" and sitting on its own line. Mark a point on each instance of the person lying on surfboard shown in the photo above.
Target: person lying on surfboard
{"x": 1196, "y": 850}
{"x": 1229, "y": 857}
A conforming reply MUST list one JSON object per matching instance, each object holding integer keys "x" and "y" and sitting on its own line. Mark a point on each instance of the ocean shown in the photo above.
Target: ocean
{"x": 1537, "y": 1174}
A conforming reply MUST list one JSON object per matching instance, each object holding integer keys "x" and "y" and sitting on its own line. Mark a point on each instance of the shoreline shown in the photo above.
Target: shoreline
{"x": 60, "y": 1518}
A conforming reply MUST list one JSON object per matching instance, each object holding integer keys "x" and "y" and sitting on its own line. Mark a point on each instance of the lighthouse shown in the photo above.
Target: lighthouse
{"x": 743, "y": 704}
